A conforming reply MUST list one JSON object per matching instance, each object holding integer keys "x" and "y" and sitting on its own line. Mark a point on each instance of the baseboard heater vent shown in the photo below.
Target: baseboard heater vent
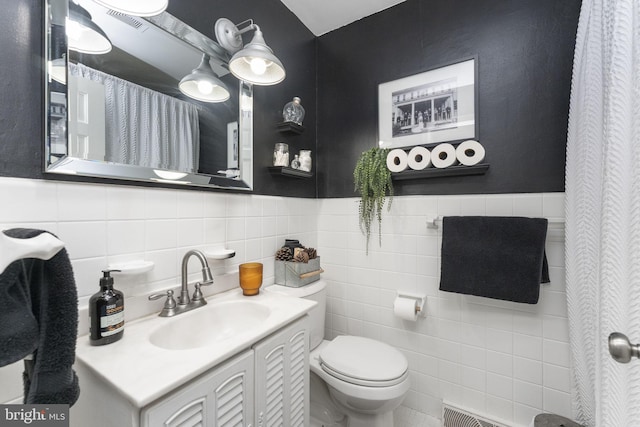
{"x": 453, "y": 416}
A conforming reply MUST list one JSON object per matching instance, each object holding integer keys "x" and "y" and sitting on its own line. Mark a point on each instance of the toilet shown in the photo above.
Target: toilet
{"x": 355, "y": 381}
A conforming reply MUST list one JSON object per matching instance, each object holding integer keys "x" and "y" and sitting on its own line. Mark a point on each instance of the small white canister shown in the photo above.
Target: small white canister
{"x": 305, "y": 160}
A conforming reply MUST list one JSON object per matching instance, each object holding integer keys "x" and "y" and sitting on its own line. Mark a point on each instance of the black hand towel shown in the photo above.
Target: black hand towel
{"x": 494, "y": 257}
{"x": 39, "y": 315}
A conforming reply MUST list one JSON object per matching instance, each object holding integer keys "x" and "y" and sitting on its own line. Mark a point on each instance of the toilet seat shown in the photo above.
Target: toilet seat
{"x": 364, "y": 362}
{"x": 361, "y": 382}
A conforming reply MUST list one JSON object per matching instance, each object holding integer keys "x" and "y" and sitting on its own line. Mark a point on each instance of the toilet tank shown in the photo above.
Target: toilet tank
{"x": 316, "y": 291}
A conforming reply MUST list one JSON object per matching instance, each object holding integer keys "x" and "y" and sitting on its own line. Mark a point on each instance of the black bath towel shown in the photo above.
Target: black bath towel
{"x": 39, "y": 316}
{"x": 494, "y": 257}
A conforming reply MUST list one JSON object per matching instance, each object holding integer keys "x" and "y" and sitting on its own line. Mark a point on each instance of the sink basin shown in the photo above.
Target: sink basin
{"x": 208, "y": 325}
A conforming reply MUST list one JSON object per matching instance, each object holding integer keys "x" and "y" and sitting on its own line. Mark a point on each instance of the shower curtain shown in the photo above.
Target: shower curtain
{"x": 145, "y": 127}
{"x": 603, "y": 211}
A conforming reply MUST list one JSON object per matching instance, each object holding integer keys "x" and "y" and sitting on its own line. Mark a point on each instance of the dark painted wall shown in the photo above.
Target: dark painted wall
{"x": 21, "y": 89}
{"x": 525, "y": 55}
{"x": 524, "y": 50}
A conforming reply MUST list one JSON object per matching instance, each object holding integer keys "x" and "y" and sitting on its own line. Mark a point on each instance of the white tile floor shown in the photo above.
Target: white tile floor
{"x": 402, "y": 417}
{"x": 407, "y": 417}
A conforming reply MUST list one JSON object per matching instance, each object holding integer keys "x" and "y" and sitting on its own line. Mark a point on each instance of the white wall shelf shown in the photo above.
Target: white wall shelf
{"x": 132, "y": 267}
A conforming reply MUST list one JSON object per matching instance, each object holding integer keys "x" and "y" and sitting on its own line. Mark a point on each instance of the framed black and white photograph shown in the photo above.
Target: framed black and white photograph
{"x": 438, "y": 105}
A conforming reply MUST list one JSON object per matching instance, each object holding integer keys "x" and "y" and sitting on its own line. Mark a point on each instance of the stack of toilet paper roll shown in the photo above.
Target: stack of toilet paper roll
{"x": 467, "y": 153}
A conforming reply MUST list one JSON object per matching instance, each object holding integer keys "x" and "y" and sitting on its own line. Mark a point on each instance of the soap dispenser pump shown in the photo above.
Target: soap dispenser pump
{"x": 106, "y": 312}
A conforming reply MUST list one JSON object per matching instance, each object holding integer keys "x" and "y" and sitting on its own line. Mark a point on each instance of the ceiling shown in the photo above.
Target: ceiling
{"x": 322, "y": 16}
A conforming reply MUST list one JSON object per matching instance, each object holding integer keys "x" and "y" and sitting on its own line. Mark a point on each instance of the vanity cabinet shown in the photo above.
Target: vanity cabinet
{"x": 223, "y": 397}
{"x": 282, "y": 377}
{"x": 265, "y": 385}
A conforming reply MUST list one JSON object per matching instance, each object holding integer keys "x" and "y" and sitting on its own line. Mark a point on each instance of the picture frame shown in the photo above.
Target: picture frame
{"x": 438, "y": 105}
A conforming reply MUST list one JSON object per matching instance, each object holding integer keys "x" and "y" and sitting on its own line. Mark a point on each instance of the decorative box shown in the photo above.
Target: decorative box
{"x": 296, "y": 274}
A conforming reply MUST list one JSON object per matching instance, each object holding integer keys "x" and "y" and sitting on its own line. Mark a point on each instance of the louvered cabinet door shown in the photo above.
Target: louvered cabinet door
{"x": 220, "y": 398}
{"x": 282, "y": 377}
{"x": 299, "y": 378}
{"x": 232, "y": 399}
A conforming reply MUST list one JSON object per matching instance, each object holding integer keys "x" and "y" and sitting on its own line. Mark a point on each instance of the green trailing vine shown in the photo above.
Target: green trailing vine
{"x": 373, "y": 182}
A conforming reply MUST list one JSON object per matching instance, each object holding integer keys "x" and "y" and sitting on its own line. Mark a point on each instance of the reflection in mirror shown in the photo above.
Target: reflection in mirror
{"x": 122, "y": 114}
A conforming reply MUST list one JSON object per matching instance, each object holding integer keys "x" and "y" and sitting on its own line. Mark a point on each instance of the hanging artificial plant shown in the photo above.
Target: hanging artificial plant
{"x": 373, "y": 182}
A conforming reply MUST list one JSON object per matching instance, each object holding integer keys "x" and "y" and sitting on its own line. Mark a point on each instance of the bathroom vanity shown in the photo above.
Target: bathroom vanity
{"x": 253, "y": 372}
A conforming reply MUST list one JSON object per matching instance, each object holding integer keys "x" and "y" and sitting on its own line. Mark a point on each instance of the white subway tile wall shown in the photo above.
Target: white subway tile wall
{"x": 106, "y": 224}
{"x": 505, "y": 360}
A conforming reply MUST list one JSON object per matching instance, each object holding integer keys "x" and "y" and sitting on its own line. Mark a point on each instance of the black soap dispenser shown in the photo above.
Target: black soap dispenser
{"x": 106, "y": 313}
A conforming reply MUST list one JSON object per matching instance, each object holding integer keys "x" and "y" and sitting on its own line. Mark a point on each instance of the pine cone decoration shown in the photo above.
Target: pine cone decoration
{"x": 302, "y": 257}
{"x": 284, "y": 254}
{"x": 313, "y": 254}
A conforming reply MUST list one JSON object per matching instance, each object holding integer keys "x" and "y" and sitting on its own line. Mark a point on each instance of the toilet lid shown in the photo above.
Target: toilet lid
{"x": 363, "y": 361}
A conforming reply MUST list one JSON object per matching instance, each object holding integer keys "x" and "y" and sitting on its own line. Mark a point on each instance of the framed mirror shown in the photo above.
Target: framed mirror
{"x": 117, "y": 111}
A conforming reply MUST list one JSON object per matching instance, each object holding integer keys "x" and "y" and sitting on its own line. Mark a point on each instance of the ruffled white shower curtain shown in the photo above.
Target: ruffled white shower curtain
{"x": 145, "y": 127}
{"x": 603, "y": 211}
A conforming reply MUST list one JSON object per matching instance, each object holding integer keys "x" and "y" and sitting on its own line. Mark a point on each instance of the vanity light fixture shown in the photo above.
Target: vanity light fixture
{"x": 202, "y": 84}
{"x": 254, "y": 63}
{"x": 83, "y": 34}
{"x": 137, "y": 7}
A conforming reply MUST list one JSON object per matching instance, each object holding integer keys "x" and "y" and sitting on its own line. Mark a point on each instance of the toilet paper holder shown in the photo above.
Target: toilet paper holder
{"x": 419, "y": 299}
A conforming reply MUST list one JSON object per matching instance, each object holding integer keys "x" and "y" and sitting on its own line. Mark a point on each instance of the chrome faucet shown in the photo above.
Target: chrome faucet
{"x": 184, "y": 304}
{"x": 207, "y": 279}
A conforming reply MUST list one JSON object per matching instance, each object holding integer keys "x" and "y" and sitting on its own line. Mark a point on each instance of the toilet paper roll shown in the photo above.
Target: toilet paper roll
{"x": 397, "y": 160}
{"x": 470, "y": 152}
{"x": 405, "y": 308}
{"x": 443, "y": 156}
{"x": 419, "y": 158}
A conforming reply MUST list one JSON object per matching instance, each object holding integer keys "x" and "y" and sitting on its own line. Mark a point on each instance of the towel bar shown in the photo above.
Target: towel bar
{"x": 554, "y": 223}
{"x": 555, "y": 229}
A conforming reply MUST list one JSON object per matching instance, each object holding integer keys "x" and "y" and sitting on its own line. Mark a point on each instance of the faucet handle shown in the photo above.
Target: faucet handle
{"x": 169, "y": 304}
{"x": 198, "y": 298}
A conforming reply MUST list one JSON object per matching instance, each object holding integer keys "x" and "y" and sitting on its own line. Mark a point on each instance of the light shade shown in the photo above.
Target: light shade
{"x": 136, "y": 7}
{"x": 202, "y": 84}
{"x": 83, "y": 34}
{"x": 257, "y": 64}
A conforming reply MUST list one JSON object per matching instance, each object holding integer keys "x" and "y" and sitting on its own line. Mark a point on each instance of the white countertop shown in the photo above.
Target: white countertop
{"x": 143, "y": 372}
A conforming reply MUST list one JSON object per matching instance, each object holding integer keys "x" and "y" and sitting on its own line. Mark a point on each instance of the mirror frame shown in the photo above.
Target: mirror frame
{"x": 69, "y": 165}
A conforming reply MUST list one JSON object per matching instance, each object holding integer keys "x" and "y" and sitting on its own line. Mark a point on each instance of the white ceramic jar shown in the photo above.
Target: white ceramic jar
{"x": 305, "y": 160}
